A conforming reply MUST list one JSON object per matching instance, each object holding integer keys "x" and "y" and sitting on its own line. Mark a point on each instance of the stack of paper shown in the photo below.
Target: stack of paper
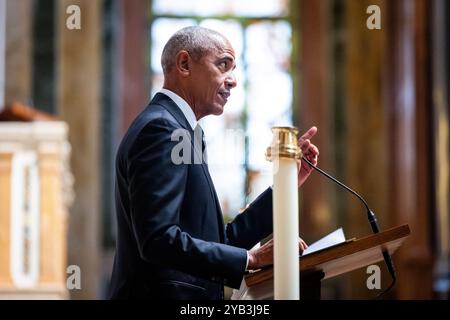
{"x": 330, "y": 240}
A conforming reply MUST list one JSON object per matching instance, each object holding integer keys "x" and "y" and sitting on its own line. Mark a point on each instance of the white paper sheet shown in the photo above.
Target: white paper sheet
{"x": 329, "y": 240}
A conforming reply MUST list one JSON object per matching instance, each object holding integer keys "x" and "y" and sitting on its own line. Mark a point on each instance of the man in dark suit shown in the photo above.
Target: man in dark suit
{"x": 171, "y": 241}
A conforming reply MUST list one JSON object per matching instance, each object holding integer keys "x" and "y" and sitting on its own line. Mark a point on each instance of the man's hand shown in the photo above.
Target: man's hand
{"x": 263, "y": 256}
{"x": 310, "y": 152}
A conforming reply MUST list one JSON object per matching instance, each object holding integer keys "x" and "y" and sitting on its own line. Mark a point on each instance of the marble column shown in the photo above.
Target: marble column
{"x": 408, "y": 106}
{"x": 79, "y": 104}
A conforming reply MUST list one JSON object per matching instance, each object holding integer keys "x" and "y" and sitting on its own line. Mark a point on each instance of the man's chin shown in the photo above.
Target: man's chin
{"x": 218, "y": 110}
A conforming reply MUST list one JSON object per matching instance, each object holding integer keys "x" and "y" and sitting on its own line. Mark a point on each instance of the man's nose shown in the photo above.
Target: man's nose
{"x": 230, "y": 81}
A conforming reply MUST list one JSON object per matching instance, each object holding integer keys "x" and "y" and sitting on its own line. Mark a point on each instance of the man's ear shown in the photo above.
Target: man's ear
{"x": 183, "y": 63}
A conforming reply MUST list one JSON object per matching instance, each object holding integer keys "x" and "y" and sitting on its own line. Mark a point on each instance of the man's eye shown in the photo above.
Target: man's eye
{"x": 223, "y": 64}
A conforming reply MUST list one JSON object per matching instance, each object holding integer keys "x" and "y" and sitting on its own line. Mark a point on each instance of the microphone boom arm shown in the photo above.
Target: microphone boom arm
{"x": 372, "y": 220}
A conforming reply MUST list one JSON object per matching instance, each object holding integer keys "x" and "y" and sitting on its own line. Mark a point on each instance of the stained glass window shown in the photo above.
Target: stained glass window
{"x": 237, "y": 8}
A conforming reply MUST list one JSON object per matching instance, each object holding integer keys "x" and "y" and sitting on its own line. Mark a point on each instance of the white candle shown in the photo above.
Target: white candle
{"x": 285, "y": 230}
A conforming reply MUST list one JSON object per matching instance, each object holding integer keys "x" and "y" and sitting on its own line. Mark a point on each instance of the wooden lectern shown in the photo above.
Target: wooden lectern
{"x": 328, "y": 263}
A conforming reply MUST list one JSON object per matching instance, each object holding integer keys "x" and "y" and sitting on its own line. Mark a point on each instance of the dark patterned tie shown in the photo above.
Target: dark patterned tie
{"x": 200, "y": 134}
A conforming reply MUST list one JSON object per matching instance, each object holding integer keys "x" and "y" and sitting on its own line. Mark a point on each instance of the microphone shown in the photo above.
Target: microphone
{"x": 373, "y": 224}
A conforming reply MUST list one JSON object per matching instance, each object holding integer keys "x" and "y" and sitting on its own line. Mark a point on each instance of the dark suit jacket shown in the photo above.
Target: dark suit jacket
{"x": 171, "y": 240}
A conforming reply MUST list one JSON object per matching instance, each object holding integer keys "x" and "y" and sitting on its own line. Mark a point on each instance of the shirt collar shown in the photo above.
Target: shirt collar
{"x": 183, "y": 105}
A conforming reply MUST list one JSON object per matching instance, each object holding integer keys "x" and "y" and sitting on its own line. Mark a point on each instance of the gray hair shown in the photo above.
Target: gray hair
{"x": 197, "y": 41}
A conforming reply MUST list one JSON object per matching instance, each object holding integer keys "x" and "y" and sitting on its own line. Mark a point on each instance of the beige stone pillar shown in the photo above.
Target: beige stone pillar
{"x": 78, "y": 102}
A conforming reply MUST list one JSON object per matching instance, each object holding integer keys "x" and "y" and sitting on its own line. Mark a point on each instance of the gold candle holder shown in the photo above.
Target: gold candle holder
{"x": 284, "y": 144}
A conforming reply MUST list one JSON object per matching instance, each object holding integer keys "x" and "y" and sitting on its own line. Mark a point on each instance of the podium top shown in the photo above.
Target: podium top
{"x": 343, "y": 257}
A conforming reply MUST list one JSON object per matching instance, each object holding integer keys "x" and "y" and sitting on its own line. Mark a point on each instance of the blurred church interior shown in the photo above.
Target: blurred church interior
{"x": 380, "y": 98}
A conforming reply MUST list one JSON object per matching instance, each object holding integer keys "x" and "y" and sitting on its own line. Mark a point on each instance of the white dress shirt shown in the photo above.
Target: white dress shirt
{"x": 183, "y": 105}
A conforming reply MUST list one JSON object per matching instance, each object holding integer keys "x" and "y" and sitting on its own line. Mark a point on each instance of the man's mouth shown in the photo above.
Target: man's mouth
{"x": 225, "y": 95}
